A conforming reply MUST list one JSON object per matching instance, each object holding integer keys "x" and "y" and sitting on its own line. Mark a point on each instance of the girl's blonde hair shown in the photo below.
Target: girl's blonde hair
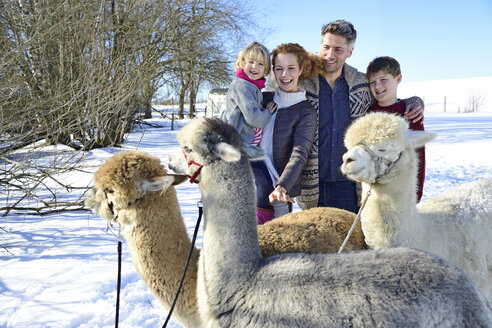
{"x": 254, "y": 50}
{"x": 311, "y": 64}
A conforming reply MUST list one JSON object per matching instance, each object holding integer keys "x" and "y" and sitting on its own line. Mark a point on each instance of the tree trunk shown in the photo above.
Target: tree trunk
{"x": 182, "y": 95}
{"x": 148, "y": 107}
{"x": 192, "y": 100}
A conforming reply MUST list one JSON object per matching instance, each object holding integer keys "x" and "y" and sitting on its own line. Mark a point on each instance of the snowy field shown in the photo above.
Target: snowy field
{"x": 60, "y": 270}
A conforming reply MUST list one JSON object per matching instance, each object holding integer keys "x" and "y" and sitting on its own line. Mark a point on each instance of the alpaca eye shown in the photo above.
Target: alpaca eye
{"x": 186, "y": 149}
{"x": 382, "y": 150}
{"x": 108, "y": 191}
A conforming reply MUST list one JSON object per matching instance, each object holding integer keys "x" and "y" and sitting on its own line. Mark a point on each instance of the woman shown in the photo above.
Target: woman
{"x": 288, "y": 137}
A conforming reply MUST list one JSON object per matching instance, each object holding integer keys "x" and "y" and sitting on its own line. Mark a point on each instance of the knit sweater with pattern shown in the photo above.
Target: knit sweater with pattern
{"x": 360, "y": 99}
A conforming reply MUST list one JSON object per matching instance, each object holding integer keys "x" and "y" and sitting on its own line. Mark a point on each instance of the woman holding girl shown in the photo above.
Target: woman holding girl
{"x": 288, "y": 136}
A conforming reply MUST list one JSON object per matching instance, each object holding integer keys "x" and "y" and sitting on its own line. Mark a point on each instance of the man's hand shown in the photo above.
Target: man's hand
{"x": 414, "y": 112}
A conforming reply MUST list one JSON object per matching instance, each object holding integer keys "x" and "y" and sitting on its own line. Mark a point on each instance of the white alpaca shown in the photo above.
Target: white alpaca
{"x": 133, "y": 189}
{"x": 456, "y": 225}
{"x": 238, "y": 288}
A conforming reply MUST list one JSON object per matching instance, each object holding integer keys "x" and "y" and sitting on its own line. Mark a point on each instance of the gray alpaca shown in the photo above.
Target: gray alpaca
{"x": 238, "y": 288}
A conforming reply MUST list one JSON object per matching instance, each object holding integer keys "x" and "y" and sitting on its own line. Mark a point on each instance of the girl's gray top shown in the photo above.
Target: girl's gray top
{"x": 244, "y": 108}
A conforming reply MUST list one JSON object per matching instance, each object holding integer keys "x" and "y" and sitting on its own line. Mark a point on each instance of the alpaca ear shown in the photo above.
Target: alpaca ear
{"x": 227, "y": 152}
{"x": 419, "y": 138}
{"x": 178, "y": 178}
{"x": 161, "y": 183}
{"x": 254, "y": 153}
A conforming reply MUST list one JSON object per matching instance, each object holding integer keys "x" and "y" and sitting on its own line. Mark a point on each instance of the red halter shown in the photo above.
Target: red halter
{"x": 197, "y": 172}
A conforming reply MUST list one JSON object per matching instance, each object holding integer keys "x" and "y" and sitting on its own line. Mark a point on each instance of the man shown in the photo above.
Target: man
{"x": 340, "y": 94}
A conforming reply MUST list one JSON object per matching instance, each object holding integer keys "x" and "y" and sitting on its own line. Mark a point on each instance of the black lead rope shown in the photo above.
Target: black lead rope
{"x": 200, "y": 212}
{"x": 118, "y": 285}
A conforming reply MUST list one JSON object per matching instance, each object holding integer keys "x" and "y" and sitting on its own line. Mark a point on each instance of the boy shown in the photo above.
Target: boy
{"x": 384, "y": 75}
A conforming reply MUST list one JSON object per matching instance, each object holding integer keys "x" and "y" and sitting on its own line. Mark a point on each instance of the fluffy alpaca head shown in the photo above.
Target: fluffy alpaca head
{"x": 376, "y": 128}
{"x": 124, "y": 179}
{"x": 97, "y": 202}
{"x": 207, "y": 140}
{"x": 375, "y": 142}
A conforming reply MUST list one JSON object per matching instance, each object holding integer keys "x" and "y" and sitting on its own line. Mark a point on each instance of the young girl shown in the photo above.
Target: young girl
{"x": 288, "y": 137}
{"x": 244, "y": 109}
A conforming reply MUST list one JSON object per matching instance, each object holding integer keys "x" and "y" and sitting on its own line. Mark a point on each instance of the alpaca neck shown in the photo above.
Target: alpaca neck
{"x": 390, "y": 214}
{"x": 159, "y": 245}
{"x": 230, "y": 231}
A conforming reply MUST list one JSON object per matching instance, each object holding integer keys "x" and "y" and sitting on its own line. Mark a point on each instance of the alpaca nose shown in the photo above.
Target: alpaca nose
{"x": 347, "y": 158}
{"x": 172, "y": 166}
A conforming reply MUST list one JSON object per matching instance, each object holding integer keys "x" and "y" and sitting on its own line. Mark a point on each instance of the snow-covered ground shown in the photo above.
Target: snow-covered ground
{"x": 61, "y": 269}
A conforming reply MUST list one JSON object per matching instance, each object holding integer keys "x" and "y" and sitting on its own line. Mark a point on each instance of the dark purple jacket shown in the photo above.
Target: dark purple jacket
{"x": 293, "y": 136}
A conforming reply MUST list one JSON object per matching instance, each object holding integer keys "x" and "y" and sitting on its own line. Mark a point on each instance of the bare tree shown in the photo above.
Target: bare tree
{"x": 161, "y": 33}
{"x": 71, "y": 73}
{"x": 474, "y": 101}
{"x": 213, "y": 30}
{"x": 79, "y": 73}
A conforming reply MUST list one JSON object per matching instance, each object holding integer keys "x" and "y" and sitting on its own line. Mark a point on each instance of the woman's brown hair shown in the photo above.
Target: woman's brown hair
{"x": 311, "y": 64}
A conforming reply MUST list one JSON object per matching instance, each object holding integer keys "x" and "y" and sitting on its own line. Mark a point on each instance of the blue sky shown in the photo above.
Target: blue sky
{"x": 431, "y": 39}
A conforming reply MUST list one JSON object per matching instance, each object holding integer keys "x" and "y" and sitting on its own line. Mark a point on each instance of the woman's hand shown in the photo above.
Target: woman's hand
{"x": 272, "y": 107}
{"x": 280, "y": 193}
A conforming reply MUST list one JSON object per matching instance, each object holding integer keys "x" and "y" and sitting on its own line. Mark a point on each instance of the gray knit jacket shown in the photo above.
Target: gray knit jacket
{"x": 244, "y": 110}
{"x": 360, "y": 99}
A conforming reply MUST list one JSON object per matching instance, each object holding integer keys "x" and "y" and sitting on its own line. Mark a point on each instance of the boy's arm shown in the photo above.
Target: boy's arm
{"x": 414, "y": 109}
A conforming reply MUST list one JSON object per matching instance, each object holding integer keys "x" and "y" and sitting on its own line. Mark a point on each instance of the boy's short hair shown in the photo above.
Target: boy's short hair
{"x": 254, "y": 50}
{"x": 387, "y": 64}
{"x": 342, "y": 28}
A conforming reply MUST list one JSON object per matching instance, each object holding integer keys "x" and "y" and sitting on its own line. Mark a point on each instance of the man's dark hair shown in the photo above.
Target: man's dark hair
{"x": 342, "y": 28}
